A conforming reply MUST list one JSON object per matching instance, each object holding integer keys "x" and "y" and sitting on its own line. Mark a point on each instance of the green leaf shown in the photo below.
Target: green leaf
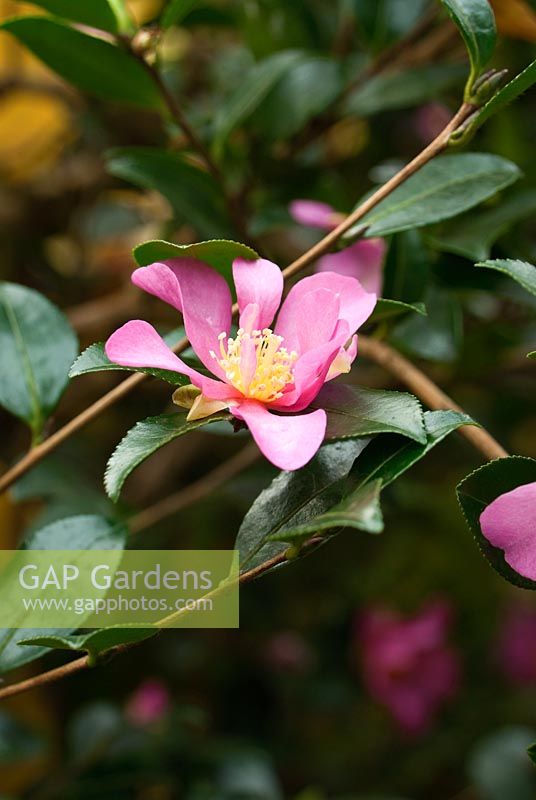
{"x": 302, "y": 93}
{"x": 499, "y": 767}
{"x": 338, "y": 488}
{"x": 531, "y": 752}
{"x": 388, "y": 457}
{"x": 354, "y": 411}
{"x": 293, "y": 498}
{"x": 94, "y": 359}
{"x": 407, "y": 268}
{"x": 125, "y": 21}
{"x": 383, "y": 21}
{"x": 82, "y": 532}
{"x": 532, "y": 355}
{"x": 385, "y": 309}
{"x": 500, "y": 100}
{"x": 62, "y": 488}
{"x": 218, "y": 253}
{"x": 95, "y": 13}
{"x": 251, "y": 91}
{"x": 438, "y": 336}
{"x": 175, "y": 11}
{"x": 476, "y": 23}
{"x": 359, "y": 510}
{"x": 192, "y": 193}
{"x": 481, "y": 488}
{"x": 91, "y": 64}
{"x": 520, "y": 271}
{"x": 144, "y": 439}
{"x": 443, "y": 188}
{"x": 38, "y": 346}
{"x": 95, "y": 643}
{"x": 402, "y": 89}
{"x": 473, "y": 234}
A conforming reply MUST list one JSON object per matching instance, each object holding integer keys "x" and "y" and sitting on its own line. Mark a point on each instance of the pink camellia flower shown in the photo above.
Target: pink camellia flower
{"x": 407, "y": 664}
{"x": 516, "y": 646}
{"x": 148, "y": 703}
{"x": 362, "y": 260}
{"x": 258, "y": 371}
{"x": 509, "y": 522}
{"x": 288, "y": 652}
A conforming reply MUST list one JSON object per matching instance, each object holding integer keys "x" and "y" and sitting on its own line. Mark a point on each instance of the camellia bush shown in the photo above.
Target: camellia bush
{"x": 304, "y": 228}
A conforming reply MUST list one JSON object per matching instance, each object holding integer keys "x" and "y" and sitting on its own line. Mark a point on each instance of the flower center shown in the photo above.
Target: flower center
{"x": 256, "y": 364}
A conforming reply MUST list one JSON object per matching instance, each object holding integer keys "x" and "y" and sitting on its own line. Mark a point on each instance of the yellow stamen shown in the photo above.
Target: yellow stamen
{"x": 272, "y": 366}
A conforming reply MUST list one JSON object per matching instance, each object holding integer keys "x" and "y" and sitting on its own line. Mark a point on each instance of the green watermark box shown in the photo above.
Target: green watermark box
{"x": 72, "y": 589}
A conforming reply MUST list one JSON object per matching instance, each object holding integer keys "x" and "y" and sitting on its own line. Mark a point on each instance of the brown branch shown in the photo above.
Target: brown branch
{"x": 427, "y": 391}
{"x": 377, "y": 351}
{"x": 195, "y": 491}
{"x": 392, "y": 55}
{"x": 198, "y": 146}
{"x": 410, "y": 52}
{"x": 51, "y": 676}
{"x": 16, "y": 82}
{"x": 57, "y": 674}
{"x": 434, "y": 148}
{"x": 110, "y": 309}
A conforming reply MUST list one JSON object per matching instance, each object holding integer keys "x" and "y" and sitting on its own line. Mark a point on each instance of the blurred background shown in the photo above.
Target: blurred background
{"x": 398, "y": 667}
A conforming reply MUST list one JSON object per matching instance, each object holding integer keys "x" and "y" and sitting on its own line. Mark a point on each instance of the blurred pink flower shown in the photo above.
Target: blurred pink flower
{"x": 430, "y": 120}
{"x": 509, "y": 523}
{"x": 287, "y": 651}
{"x": 362, "y": 260}
{"x": 315, "y": 214}
{"x": 259, "y": 370}
{"x": 407, "y": 665}
{"x": 148, "y": 703}
{"x": 516, "y": 646}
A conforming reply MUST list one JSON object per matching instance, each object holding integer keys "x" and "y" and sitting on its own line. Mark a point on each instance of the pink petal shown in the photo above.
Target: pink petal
{"x": 509, "y": 522}
{"x": 137, "y": 344}
{"x": 311, "y": 371}
{"x": 356, "y": 305}
{"x": 249, "y": 317}
{"x": 289, "y": 442}
{"x": 362, "y": 260}
{"x": 313, "y": 322}
{"x": 200, "y": 293}
{"x": 314, "y": 214}
{"x": 259, "y": 282}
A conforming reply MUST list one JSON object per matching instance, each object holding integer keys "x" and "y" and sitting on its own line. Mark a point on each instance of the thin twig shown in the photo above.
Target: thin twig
{"x": 195, "y": 491}
{"x": 434, "y": 148}
{"x": 180, "y": 118}
{"x": 198, "y": 146}
{"x": 407, "y": 53}
{"x": 111, "y": 308}
{"x": 427, "y": 391}
{"x": 391, "y": 55}
{"x": 57, "y": 674}
{"x": 51, "y": 676}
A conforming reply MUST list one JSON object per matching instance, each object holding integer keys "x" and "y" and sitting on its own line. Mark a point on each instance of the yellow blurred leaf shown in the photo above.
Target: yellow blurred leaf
{"x": 34, "y": 129}
{"x": 144, "y": 10}
{"x": 346, "y": 139}
{"x": 515, "y": 18}
{"x": 35, "y": 125}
